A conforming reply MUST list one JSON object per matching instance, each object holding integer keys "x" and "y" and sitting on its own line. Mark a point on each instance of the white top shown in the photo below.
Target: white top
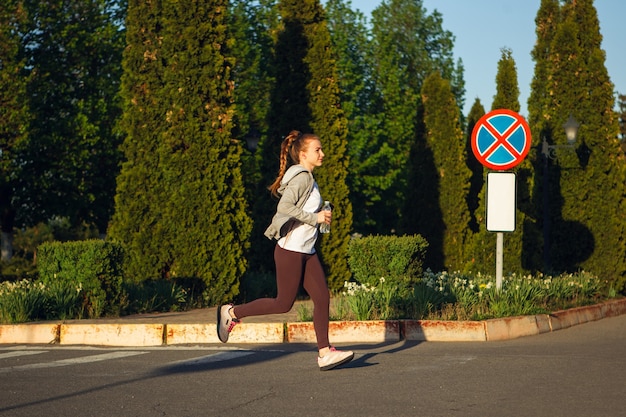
{"x": 302, "y": 236}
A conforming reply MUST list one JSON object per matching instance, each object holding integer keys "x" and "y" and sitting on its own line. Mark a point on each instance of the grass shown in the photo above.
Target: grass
{"x": 435, "y": 296}
{"x": 457, "y": 296}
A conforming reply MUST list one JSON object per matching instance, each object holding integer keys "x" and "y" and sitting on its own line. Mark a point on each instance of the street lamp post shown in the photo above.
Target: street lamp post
{"x": 549, "y": 152}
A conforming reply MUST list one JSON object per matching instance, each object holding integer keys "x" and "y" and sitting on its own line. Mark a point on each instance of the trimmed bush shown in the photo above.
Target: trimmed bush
{"x": 398, "y": 259}
{"x": 94, "y": 265}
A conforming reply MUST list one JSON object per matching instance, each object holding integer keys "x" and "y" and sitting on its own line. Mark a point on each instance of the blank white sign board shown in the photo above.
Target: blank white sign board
{"x": 501, "y": 201}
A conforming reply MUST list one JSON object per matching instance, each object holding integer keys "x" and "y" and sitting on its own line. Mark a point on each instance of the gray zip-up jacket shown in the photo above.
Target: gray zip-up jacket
{"x": 295, "y": 189}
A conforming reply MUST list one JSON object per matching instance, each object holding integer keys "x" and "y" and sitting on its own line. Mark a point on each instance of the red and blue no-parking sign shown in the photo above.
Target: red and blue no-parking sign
{"x": 501, "y": 139}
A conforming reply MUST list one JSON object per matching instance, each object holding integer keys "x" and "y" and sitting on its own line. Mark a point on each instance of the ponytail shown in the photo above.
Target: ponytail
{"x": 290, "y": 149}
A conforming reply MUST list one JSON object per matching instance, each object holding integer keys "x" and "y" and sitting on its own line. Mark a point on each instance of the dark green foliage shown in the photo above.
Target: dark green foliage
{"x": 476, "y": 181}
{"x": 180, "y": 206}
{"x": 407, "y": 45}
{"x": 93, "y": 265}
{"x": 482, "y": 246}
{"x": 288, "y": 110}
{"x": 26, "y": 241}
{"x": 72, "y": 50}
{"x": 397, "y": 259}
{"x": 507, "y": 91}
{"x": 349, "y": 36}
{"x": 257, "y": 285}
{"x": 445, "y": 224}
{"x": 65, "y": 302}
{"x": 306, "y": 97}
{"x": 546, "y": 23}
{"x": 585, "y": 187}
{"x": 153, "y": 296}
{"x": 251, "y": 25}
{"x": 14, "y": 116}
{"x": 329, "y": 123}
{"x": 381, "y": 69}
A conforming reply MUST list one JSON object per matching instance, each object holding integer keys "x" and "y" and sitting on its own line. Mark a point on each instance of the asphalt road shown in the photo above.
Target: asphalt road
{"x": 580, "y": 371}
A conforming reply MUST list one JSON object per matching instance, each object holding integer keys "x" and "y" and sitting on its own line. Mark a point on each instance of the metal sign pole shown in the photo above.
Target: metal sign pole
{"x": 499, "y": 259}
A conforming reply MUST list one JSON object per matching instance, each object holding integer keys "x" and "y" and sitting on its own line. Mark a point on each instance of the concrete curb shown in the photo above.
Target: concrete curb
{"x": 371, "y": 331}
{"x": 444, "y": 331}
{"x": 112, "y": 334}
{"x": 137, "y": 335}
{"x": 177, "y": 334}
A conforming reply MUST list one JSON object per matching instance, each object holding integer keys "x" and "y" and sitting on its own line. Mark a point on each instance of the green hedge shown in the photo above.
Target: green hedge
{"x": 94, "y": 265}
{"x": 399, "y": 259}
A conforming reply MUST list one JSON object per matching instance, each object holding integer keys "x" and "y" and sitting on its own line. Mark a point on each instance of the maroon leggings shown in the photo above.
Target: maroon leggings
{"x": 291, "y": 269}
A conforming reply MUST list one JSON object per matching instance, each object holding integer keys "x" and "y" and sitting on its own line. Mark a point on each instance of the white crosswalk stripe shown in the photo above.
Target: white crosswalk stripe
{"x": 221, "y": 354}
{"x": 216, "y": 357}
{"x": 21, "y": 353}
{"x": 74, "y": 361}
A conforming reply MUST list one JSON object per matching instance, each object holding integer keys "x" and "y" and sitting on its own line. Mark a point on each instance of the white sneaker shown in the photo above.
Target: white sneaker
{"x": 225, "y": 323}
{"x": 334, "y": 358}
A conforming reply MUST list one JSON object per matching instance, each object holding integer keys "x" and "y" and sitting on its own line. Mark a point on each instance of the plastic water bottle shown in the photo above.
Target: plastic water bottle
{"x": 324, "y": 227}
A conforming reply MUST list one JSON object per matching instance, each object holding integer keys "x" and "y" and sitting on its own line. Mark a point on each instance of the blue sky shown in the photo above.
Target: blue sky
{"x": 483, "y": 27}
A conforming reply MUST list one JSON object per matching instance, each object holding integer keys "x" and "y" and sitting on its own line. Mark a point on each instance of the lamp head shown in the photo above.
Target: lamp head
{"x": 571, "y": 129}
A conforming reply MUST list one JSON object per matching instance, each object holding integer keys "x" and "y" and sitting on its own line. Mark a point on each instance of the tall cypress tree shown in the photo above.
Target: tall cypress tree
{"x": 251, "y": 27}
{"x": 445, "y": 141}
{"x": 195, "y": 210}
{"x": 329, "y": 122}
{"x": 476, "y": 181}
{"x": 289, "y": 110}
{"x": 586, "y": 187}
{"x": 254, "y": 27}
{"x": 407, "y": 45}
{"x": 349, "y": 36}
{"x": 586, "y": 232}
{"x": 306, "y": 98}
{"x": 140, "y": 184}
{"x": 546, "y": 22}
{"x": 483, "y": 244}
{"x": 14, "y": 115}
{"x": 507, "y": 91}
{"x": 507, "y": 97}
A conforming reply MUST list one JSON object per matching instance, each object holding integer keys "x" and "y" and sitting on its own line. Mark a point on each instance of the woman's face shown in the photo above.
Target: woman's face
{"x": 312, "y": 156}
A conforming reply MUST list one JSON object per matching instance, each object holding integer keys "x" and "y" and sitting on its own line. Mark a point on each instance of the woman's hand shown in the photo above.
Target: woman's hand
{"x": 324, "y": 216}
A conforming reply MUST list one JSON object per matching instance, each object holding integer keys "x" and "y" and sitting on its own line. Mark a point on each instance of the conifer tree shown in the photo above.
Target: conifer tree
{"x": 73, "y": 52}
{"x": 251, "y": 27}
{"x": 546, "y": 22}
{"x": 289, "y": 110}
{"x": 254, "y": 26}
{"x": 476, "y": 181}
{"x": 621, "y": 102}
{"x": 407, "y": 45}
{"x": 180, "y": 207}
{"x": 349, "y": 36}
{"x": 586, "y": 186}
{"x": 586, "y": 232}
{"x": 483, "y": 246}
{"x": 14, "y": 115}
{"x": 306, "y": 98}
{"x": 445, "y": 141}
{"x": 330, "y": 124}
{"x": 507, "y": 91}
